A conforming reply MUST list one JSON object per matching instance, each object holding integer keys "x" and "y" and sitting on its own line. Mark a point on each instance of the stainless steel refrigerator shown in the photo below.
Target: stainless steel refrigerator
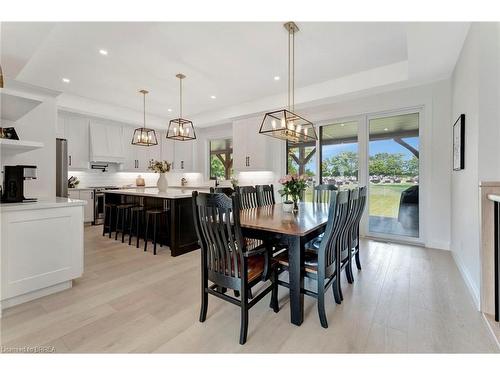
{"x": 61, "y": 167}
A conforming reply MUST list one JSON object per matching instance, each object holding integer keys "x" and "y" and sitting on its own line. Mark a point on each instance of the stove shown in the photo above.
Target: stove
{"x": 99, "y": 202}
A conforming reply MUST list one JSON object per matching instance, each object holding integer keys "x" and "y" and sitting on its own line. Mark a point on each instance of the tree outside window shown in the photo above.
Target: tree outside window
{"x": 221, "y": 159}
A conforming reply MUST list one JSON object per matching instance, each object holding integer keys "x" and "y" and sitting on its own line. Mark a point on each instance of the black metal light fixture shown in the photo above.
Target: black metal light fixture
{"x": 144, "y": 136}
{"x": 285, "y": 124}
{"x": 180, "y": 129}
{"x": 1, "y": 77}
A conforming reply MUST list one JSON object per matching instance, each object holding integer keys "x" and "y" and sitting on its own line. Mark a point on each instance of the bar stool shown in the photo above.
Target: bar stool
{"x": 108, "y": 212}
{"x": 138, "y": 213}
{"x": 123, "y": 212}
{"x": 156, "y": 214}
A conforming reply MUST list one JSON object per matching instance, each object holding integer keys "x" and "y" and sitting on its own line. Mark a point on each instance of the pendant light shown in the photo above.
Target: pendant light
{"x": 180, "y": 129}
{"x": 285, "y": 124}
{"x": 144, "y": 136}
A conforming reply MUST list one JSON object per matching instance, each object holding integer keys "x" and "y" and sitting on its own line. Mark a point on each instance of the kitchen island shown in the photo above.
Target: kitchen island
{"x": 179, "y": 230}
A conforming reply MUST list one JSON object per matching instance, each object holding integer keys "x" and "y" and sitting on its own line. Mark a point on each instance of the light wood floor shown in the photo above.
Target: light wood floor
{"x": 406, "y": 299}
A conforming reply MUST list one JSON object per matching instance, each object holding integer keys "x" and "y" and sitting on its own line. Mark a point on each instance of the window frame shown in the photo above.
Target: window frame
{"x": 225, "y": 152}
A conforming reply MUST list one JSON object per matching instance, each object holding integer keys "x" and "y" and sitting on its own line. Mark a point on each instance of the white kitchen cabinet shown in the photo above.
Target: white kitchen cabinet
{"x": 167, "y": 148}
{"x": 88, "y": 210}
{"x": 84, "y": 195}
{"x": 76, "y": 132}
{"x": 251, "y": 150}
{"x": 106, "y": 142}
{"x": 183, "y": 156}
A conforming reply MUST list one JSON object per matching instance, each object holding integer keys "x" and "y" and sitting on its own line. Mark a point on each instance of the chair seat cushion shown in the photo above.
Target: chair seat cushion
{"x": 310, "y": 260}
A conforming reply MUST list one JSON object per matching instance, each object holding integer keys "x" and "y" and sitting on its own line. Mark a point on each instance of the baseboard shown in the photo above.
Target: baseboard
{"x": 493, "y": 327}
{"x": 473, "y": 291}
{"x": 439, "y": 245}
{"x": 6, "y": 303}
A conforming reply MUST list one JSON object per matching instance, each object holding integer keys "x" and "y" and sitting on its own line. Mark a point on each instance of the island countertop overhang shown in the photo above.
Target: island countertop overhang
{"x": 171, "y": 193}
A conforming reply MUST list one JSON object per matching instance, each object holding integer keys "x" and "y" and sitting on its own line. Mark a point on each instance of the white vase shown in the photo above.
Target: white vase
{"x": 162, "y": 183}
{"x": 287, "y": 207}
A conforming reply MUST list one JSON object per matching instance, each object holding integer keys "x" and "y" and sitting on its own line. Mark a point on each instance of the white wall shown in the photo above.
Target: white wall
{"x": 475, "y": 83}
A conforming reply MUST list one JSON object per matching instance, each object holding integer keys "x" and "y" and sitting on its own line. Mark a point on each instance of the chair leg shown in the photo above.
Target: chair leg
{"x": 250, "y": 295}
{"x": 274, "y": 293}
{"x": 358, "y": 262}
{"x": 110, "y": 221}
{"x": 236, "y": 293}
{"x": 146, "y": 233}
{"x": 104, "y": 224}
{"x": 321, "y": 308}
{"x": 244, "y": 315}
{"x": 348, "y": 270}
{"x": 204, "y": 300}
{"x": 336, "y": 294}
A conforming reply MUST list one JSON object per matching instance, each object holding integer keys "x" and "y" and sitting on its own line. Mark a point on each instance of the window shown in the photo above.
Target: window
{"x": 221, "y": 159}
{"x": 301, "y": 159}
{"x": 394, "y": 175}
{"x": 339, "y": 154}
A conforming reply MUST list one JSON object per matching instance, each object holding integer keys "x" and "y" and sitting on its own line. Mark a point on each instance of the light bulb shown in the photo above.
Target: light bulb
{"x": 273, "y": 124}
{"x": 283, "y": 122}
{"x": 299, "y": 128}
{"x": 187, "y": 131}
{"x": 291, "y": 125}
{"x": 305, "y": 131}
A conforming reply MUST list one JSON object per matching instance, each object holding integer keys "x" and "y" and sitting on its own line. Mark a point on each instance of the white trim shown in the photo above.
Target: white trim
{"x": 474, "y": 292}
{"x": 17, "y": 300}
{"x": 438, "y": 245}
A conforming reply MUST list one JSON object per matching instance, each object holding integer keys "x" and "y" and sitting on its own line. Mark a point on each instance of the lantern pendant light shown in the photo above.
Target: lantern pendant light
{"x": 144, "y": 136}
{"x": 180, "y": 129}
{"x": 285, "y": 124}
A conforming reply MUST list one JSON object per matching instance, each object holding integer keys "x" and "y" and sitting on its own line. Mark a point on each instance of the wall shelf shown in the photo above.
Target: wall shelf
{"x": 13, "y": 107}
{"x": 12, "y": 146}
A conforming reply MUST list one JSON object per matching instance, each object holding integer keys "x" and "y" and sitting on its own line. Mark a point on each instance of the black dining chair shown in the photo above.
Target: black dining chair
{"x": 248, "y": 197}
{"x": 225, "y": 259}
{"x": 322, "y": 265}
{"x": 346, "y": 236}
{"x": 322, "y": 193}
{"x": 265, "y": 195}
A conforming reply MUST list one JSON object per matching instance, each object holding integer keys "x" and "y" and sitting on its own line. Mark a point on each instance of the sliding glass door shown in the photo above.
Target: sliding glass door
{"x": 393, "y": 168}
{"x": 382, "y": 152}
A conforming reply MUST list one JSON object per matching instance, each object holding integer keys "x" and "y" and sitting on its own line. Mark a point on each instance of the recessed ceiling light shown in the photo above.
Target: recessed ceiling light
{"x": 276, "y": 78}
{"x": 170, "y": 109}
{"x": 213, "y": 97}
{"x": 385, "y": 129}
{"x": 342, "y": 124}
{"x": 103, "y": 52}
{"x": 66, "y": 80}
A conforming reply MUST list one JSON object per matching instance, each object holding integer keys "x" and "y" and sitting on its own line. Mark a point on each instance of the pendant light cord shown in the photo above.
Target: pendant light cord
{"x": 180, "y": 99}
{"x": 291, "y": 69}
{"x": 144, "y": 107}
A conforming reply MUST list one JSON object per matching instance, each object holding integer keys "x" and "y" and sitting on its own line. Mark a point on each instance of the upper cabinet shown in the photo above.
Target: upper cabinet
{"x": 76, "y": 131}
{"x": 106, "y": 142}
{"x": 167, "y": 147}
{"x": 251, "y": 151}
{"x": 183, "y": 156}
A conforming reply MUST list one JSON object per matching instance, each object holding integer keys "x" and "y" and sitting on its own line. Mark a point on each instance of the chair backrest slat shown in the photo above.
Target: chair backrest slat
{"x": 323, "y": 192}
{"x": 221, "y": 189}
{"x": 248, "y": 197}
{"x": 265, "y": 195}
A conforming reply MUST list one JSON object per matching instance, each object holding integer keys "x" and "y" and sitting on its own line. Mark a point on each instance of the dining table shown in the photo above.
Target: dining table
{"x": 293, "y": 229}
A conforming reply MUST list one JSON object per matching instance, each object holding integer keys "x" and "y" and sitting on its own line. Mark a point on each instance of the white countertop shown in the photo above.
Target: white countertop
{"x": 494, "y": 197}
{"x": 41, "y": 204}
{"x": 171, "y": 193}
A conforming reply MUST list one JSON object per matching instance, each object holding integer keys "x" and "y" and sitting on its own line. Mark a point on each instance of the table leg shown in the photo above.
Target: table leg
{"x": 296, "y": 275}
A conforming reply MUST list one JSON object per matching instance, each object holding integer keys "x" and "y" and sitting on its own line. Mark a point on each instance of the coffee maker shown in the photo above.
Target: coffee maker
{"x": 13, "y": 182}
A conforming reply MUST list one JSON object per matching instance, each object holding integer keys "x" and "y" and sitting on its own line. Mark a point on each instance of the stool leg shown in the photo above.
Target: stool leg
{"x": 154, "y": 234}
{"x": 104, "y": 224}
{"x": 124, "y": 223}
{"x": 146, "y": 233}
{"x": 139, "y": 214}
{"x": 117, "y": 221}
{"x": 130, "y": 227}
{"x": 110, "y": 221}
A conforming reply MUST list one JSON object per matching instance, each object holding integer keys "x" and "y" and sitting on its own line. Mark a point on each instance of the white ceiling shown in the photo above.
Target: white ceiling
{"x": 236, "y": 62}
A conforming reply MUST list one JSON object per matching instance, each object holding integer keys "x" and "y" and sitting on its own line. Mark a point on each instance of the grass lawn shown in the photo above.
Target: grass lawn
{"x": 384, "y": 199}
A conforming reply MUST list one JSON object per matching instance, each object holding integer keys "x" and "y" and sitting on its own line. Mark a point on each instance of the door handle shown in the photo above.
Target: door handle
{"x": 70, "y": 160}
{"x": 182, "y": 164}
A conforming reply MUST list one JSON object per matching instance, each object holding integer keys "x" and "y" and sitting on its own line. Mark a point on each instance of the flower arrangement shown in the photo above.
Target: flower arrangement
{"x": 159, "y": 166}
{"x": 293, "y": 187}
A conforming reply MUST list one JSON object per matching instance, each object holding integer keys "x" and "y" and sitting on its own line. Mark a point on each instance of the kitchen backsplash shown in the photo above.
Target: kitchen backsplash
{"x": 98, "y": 178}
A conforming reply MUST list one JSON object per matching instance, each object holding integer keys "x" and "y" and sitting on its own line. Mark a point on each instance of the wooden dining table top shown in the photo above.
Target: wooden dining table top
{"x": 272, "y": 218}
